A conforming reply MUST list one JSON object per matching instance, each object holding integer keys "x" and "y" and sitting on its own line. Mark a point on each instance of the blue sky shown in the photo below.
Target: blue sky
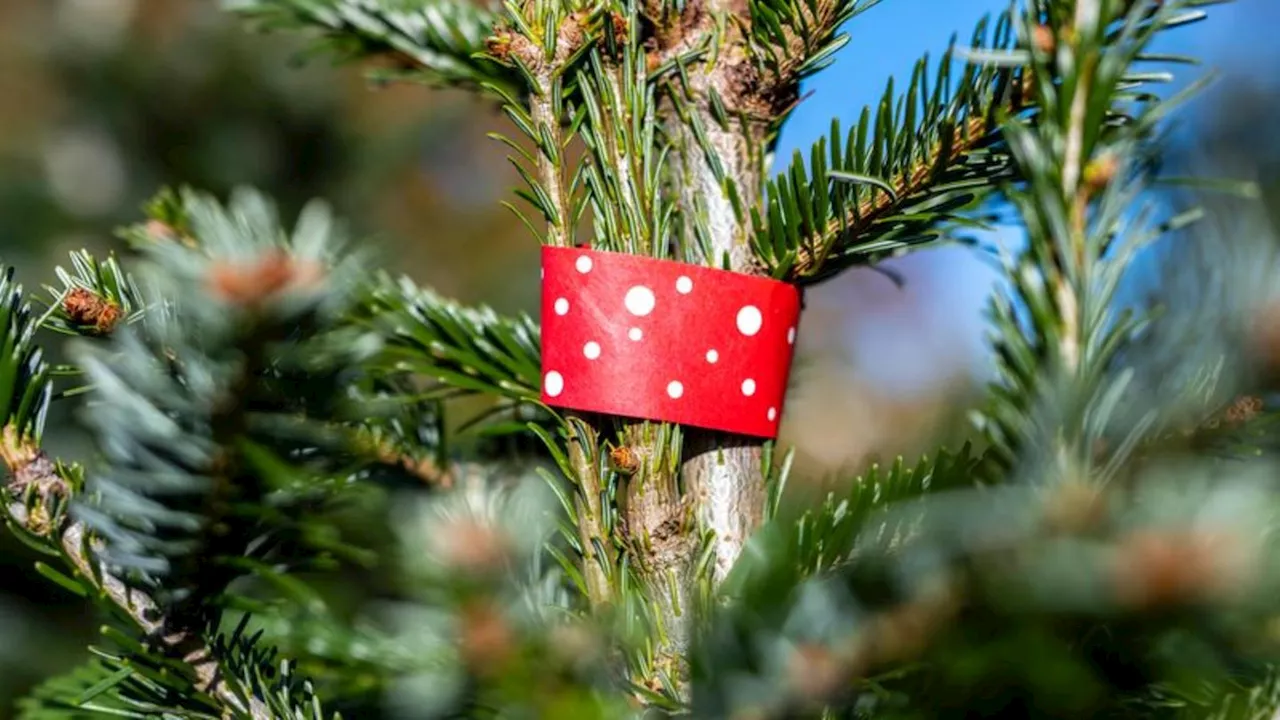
{"x": 887, "y": 40}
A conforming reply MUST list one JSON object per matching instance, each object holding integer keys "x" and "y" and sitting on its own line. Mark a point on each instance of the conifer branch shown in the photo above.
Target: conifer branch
{"x": 94, "y": 298}
{"x": 623, "y": 179}
{"x": 1082, "y": 175}
{"x": 545, "y": 113}
{"x": 544, "y": 43}
{"x": 1088, "y": 16}
{"x": 627, "y": 155}
{"x": 923, "y": 161}
{"x": 210, "y": 411}
{"x": 463, "y": 349}
{"x": 790, "y": 40}
{"x": 436, "y": 41}
{"x": 37, "y": 500}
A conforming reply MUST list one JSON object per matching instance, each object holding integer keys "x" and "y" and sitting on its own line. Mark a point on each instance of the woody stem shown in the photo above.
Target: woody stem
{"x": 722, "y": 473}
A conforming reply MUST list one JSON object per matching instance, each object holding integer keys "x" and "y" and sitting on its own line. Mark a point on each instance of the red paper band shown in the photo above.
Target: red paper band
{"x": 656, "y": 339}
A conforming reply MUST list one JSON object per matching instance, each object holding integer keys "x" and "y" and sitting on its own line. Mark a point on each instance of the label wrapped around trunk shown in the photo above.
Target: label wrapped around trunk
{"x": 662, "y": 340}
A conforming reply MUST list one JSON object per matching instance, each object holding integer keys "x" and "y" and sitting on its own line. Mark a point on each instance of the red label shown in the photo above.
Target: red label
{"x": 661, "y": 340}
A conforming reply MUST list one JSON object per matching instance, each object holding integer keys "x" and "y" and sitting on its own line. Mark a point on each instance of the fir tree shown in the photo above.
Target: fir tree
{"x": 1105, "y": 548}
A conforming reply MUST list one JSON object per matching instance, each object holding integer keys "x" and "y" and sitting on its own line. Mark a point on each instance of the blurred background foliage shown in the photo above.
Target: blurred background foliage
{"x": 104, "y": 101}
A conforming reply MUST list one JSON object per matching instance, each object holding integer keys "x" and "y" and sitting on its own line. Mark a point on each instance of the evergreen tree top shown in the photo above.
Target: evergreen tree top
{"x": 274, "y": 418}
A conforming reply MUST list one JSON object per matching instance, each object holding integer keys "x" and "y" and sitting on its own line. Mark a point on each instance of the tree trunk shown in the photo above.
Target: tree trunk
{"x": 722, "y": 473}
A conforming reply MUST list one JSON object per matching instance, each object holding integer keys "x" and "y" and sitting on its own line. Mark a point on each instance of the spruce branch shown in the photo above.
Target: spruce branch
{"x": 918, "y": 162}
{"x": 439, "y": 42}
{"x": 934, "y": 575}
{"x": 823, "y": 537}
{"x": 662, "y": 540}
{"x": 1083, "y": 182}
{"x": 209, "y": 406}
{"x": 626, "y": 154}
{"x": 227, "y": 432}
{"x": 545, "y": 113}
{"x": 624, "y": 178}
{"x": 464, "y": 349}
{"x": 38, "y": 499}
{"x": 790, "y": 40}
{"x": 437, "y": 351}
{"x": 546, "y": 42}
{"x": 542, "y": 43}
{"x": 921, "y": 163}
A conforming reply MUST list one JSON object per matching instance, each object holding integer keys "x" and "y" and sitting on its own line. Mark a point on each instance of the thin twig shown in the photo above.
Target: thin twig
{"x": 37, "y": 498}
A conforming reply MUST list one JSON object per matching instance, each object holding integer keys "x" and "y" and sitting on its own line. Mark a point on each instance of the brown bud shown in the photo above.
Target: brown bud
{"x": 251, "y": 283}
{"x": 486, "y": 640}
{"x": 1100, "y": 172}
{"x": 571, "y": 35}
{"x": 572, "y": 32}
{"x": 86, "y": 308}
{"x": 498, "y": 45}
{"x": 1243, "y": 409}
{"x": 1042, "y": 39}
{"x": 1154, "y": 568}
{"x": 625, "y": 460}
{"x": 620, "y": 27}
{"x": 652, "y": 61}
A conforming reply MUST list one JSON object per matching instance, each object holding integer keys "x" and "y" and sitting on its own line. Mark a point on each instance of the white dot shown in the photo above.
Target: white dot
{"x": 583, "y": 264}
{"x": 639, "y": 300}
{"x": 542, "y": 274}
{"x": 712, "y": 356}
{"x": 635, "y": 334}
{"x": 749, "y": 320}
{"x": 591, "y": 350}
{"x": 773, "y": 414}
{"x": 748, "y": 387}
{"x": 553, "y": 383}
{"x": 562, "y": 306}
{"x": 684, "y": 285}
{"x": 675, "y": 389}
{"x": 791, "y": 335}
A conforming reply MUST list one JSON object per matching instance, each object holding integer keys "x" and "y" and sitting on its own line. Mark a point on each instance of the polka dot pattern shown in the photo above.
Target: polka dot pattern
{"x": 643, "y": 338}
{"x": 553, "y": 383}
{"x": 639, "y": 301}
{"x": 749, "y": 320}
